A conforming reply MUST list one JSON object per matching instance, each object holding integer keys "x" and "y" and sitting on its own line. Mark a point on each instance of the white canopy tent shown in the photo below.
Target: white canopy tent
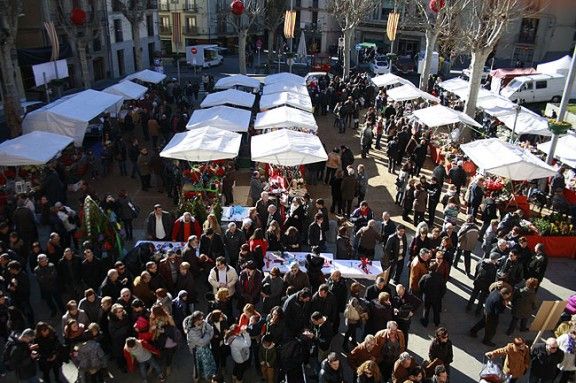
{"x": 439, "y": 115}
{"x": 221, "y": 117}
{"x": 69, "y": 116}
{"x": 279, "y": 87}
{"x": 229, "y": 97}
{"x": 237, "y": 80}
{"x": 565, "y": 148}
{"x": 463, "y": 93}
{"x": 127, "y": 89}
{"x": 35, "y": 148}
{"x": 287, "y": 147}
{"x": 560, "y": 66}
{"x": 285, "y": 78}
{"x": 409, "y": 92}
{"x": 454, "y": 84}
{"x": 273, "y": 100}
{"x": 147, "y": 75}
{"x": 203, "y": 144}
{"x": 388, "y": 79}
{"x": 286, "y": 117}
{"x": 527, "y": 122}
{"x": 506, "y": 160}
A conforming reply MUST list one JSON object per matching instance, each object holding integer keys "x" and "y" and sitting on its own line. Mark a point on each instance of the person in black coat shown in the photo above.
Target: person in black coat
{"x": 380, "y": 311}
{"x": 485, "y": 275}
{"x": 346, "y": 157}
{"x": 325, "y": 302}
{"x": 111, "y": 286}
{"x": 69, "y": 275}
{"x": 395, "y": 253}
{"x": 331, "y": 370}
{"x": 494, "y": 306}
{"x": 91, "y": 270}
{"x": 432, "y": 287}
{"x": 167, "y": 222}
{"x": 407, "y": 305}
{"x": 316, "y": 237}
{"x": 314, "y": 265}
{"x": 19, "y": 289}
{"x": 379, "y": 286}
{"x": 544, "y": 361}
{"x": 475, "y": 196}
{"x": 441, "y": 349}
{"x": 297, "y": 309}
{"x": 49, "y": 352}
{"x": 458, "y": 176}
{"x": 392, "y": 152}
{"x": 512, "y": 270}
{"x": 20, "y": 355}
{"x": 434, "y": 189}
{"x": 419, "y": 157}
{"x": 338, "y": 288}
{"x": 387, "y": 229}
{"x": 120, "y": 328}
{"x": 211, "y": 244}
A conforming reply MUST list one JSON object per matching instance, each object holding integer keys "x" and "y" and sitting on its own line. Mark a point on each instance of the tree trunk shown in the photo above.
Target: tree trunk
{"x": 135, "y": 24}
{"x": 83, "y": 58}
{"x": 347, "y": 50}
{"x": 431, "y": 39}
{"x": 479, "y": 58}
{"x": 271, "y": 38}
{"x": 242, "y": 35}
{"x": 8, "y": 78}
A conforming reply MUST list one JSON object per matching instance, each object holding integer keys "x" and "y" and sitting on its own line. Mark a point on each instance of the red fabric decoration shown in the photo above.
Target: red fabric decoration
{"x": 437, "y": 5}
{"x": 237, "y": 7}
{"x": 364, "y": 263}
{"x": 78, "y": 16}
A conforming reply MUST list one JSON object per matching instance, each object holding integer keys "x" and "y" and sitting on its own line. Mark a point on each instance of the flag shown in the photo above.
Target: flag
{"x": 176, "y": 28}
{"x": 54, "y": 42}
{"x": 392, "y": 25}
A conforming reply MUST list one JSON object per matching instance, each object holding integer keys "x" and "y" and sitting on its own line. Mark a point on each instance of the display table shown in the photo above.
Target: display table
{"x": 570, "y": 196}
{"x": 555, "y": 246}
{"x": 164, "y": 246}
{"x": 235, "y": 213}
{"x": 436, "y": 154}
{"x": 350, "y": 268}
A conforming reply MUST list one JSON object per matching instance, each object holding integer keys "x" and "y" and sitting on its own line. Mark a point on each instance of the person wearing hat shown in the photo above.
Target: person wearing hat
{"x": 22, "y": 356}
{"x": 485, "y": 275}
{"x": 159, "y": 224}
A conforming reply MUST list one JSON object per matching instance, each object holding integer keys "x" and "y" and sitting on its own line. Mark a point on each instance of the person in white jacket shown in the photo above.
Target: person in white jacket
{"x": 567, "y": 367}
{"x": 239, "y": 342}
{"x": 222, "y": 275}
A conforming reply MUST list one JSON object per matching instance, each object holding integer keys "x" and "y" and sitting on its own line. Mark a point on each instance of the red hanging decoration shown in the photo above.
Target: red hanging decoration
{"x": 437, "y": 5}
{"x": 78, "y": 16}
{"x": 237, "y": 7}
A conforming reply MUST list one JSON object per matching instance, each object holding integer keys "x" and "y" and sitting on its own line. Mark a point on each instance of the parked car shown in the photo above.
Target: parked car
{"x": 380, "y": 66}
{"x": 404, "y": 64}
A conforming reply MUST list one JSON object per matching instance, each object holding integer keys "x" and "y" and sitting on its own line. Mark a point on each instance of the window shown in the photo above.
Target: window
{"x": 121, "y": 67}
{"x": 118, "y": 35}
{"x": 190, "y": 26}
{"x": 528, "y": 86}
{"x": 528, "y": 31}
{"x": 541, "y": 84}
{"x": 165, "y": 24}
{"x": 150, "y": 25}
{"x": 96, "y": 44}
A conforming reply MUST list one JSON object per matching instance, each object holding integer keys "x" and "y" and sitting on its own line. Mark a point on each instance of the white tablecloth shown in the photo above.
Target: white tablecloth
{"x": 234, "y": 213}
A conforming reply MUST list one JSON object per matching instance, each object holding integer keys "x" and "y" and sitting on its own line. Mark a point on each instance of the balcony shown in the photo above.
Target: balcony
{"x": 190, "y": 6}
{"x": 165, "y": 30}
{"x": 190, "y": 30}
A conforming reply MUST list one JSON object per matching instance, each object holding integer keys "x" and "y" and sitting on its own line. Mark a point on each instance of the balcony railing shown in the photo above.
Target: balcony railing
{"x": 190, "y": 30}
{"x": 165, "y": 29}
{"x": 190, "y": 6}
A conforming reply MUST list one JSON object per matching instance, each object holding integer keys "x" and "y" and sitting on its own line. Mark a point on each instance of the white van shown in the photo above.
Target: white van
{"x": 205, "y": 55}
{"x": 536, "y": 88}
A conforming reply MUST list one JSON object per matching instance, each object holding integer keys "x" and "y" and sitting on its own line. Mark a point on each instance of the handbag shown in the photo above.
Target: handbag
{"x": 491, "y": 372}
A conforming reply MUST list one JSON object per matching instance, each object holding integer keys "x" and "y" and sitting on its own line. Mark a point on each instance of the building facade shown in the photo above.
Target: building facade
{"x": 320, "y": 28}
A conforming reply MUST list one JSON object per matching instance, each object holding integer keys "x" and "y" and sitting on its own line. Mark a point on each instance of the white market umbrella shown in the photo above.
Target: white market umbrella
{"x": 388, "y": 79}
{"x": 284, "y": 77}
{"x": 127, "y": 89}
{"x": 35, "y": 148}
{"x": 565, "y": 148}
{"x": 506, "y": 160}
{"x": 203, "y": 144}
{"x": 279, "y": 87}
{"x": 229, "y": 97}
{"x": 237, "y": 80}
{"x": 302, "y": 102}
{"x": 285, "y": 117}
{"x": 288, "y": 148}
{"x": 439, "y": 115}
{"x": 147, "y": 75}
{"x": 302, "y": 51}
{"x": 221, "y": 117}
{"x": 454, "y": 84}
{"x": 409, "y": 92}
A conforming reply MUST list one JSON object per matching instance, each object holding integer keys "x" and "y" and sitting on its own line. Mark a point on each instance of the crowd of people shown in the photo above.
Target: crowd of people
{"x": 213, "y": 298}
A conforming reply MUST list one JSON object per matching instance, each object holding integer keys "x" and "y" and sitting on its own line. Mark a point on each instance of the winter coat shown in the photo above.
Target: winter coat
{"x": 329, "y": 375}
{"x": 544, "y": 365}
{"x": 378, "y": 316}
{"x": 418, "y": 269}
{"x": 20, "y": 359}
{"x": 299, "y": 280}
{"x": 239, "y": 347}
{"x": 468, "y": 236}
{"x": 231, "y": 279}
{"x": 119, "y": 329}
{"x": 343, "y": 248}
{"x": 348, "y": 187}
{"x": 92, "y": 309}
{"x": 442, "y": 351}
{"x": 485, "y": 274}
{"x": 432, "y": 287}
{"x": 268, "y": 356}
{"x": 90, "y": 356}
{"x": 326, "y": 306}
{"x": 368, "y": 237}
{"x": 420, "y": 200}
{"x": 92, "y": 273}
{"x": 516, "y": 363}
{"x": 512, "y": 271}
{"x": 297, "y": 314}
{"x": 360, "y": 354}
{"x": 523, "y": 303}
{"x": 197, "y": 337}
{"x": 47, "y": 277}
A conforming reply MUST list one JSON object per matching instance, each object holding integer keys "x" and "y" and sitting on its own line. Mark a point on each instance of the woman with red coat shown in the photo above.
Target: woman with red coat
{"x": 184, "y": 227}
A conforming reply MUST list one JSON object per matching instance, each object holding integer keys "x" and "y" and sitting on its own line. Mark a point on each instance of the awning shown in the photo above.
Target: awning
{"x": 279, "y": 87}
{"x": 409, "y": 92}
{"x": 35, "y": 148}
{"x": 70, "y": 115}
{"x": 389, "y": 79}
{"x": 506, "y": 160}
{"x": 286, "y": 117}
{"x": 237, "y": 80}
{"x": 560, "y": 66}
{"x": 463, "y": 93}
{"x": 229, "y": 97}
{"x": 203, "y": 144}
{"x": 565, "y": 148}
{"x": 285, "y": 78}
{"x": 221, "y": 117}
{"x": 273, "y": 100}
{"x": 287, "y": 147}
{"x": 439, "y": 115}
{"x": 454, "y": 84}
{"x": 147, "y": 75}
{"x": 127, "y": 89}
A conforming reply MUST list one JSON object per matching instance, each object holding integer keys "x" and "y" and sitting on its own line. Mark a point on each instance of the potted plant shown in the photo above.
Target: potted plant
{"x": 558, "y": 127}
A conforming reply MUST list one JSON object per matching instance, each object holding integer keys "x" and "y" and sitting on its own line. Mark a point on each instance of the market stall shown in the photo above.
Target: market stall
{"x": 389, "y": 79}
{"x": 71, "y": 115}
{"x": 439, "y": 115}
{"x": 221, "y": 117}
{"x": 202, "y": 144}
{"x": 279, "y": 87}
{"x": 231, "y": 97}
{"x": 147, "y": 75}
{"x": 409, "y": 92}
{"x": 35, "y": 148}
{"x": 286, "y": 117}
{"x": 454, "y": 84}
{"x": 128, "y": 90}
{"x": 274, "y": 100}
{"x": 237, "y": 80}
{"x": 287, "y": 148}
{"x": 565, "y": 148}
{"x": 285, "y": 78}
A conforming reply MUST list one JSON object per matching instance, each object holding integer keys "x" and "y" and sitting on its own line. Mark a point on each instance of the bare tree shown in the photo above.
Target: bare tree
{"x": 10, "y": 79}
{"x": 274, "y": 11}
{"x": 81, "y": 35}
{"x": 134, "y": 11}
{"x": 253, "y": 9}
{"x": 418, "y": 16}
{"x": 349, "y": 13}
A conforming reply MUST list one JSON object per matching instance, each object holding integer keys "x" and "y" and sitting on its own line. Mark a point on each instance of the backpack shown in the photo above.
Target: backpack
{"x": 7, "y": 353}
{"x": 351, "y": 313}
